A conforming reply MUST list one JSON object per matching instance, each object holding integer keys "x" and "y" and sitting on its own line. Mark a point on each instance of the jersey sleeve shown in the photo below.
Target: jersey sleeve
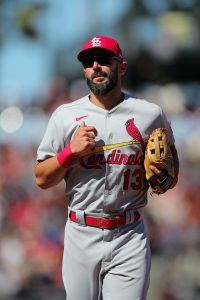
{"x": 166, "y": 124}
{"x": 52, "y": 142}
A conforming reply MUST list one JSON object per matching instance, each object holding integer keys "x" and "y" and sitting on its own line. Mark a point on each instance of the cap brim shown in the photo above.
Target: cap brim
{"x": 86, "y": 52}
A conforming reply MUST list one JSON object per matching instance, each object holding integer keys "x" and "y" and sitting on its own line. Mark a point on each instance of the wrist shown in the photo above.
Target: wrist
{"x": 65, "y": 157}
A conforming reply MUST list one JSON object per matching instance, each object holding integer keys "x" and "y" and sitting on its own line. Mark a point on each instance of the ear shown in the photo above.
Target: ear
{"x": 123, "y": 67}
{"x": 84, "y": 72}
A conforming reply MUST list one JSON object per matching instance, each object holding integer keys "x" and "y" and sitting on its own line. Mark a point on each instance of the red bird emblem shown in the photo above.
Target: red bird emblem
{"x": 134, "y": 132}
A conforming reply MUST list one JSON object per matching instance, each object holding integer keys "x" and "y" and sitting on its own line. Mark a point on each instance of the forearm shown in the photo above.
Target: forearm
{"x": 49, "y": 172}
{"x": 52, "y": 170}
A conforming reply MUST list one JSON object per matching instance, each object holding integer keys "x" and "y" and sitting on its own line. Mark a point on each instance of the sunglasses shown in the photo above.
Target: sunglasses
{"x": 88, "y": 62}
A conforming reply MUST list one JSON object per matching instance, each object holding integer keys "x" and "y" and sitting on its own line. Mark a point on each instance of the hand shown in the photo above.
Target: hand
{"x": 83, "y": 139}
{"x": 159, "y": 175}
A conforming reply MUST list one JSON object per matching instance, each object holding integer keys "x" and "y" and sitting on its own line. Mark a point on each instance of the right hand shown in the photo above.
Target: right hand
{"x": 83, "y": 139}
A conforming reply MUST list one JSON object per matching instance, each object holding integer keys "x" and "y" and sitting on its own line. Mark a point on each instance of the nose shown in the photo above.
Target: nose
{"x": 96, "y": 65}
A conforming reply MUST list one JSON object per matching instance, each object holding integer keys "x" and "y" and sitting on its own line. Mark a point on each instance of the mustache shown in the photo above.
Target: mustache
{"x": 97, "y": 74}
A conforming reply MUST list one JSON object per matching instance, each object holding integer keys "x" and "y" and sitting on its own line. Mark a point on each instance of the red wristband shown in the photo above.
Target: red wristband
{"x": 65, "y": 157}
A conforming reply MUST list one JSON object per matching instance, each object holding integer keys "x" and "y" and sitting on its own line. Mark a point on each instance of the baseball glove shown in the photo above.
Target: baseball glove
{"x": 158, "y": 154}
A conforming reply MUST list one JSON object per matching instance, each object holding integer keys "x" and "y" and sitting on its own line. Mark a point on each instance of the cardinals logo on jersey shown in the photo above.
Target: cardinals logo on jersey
{"x": 134, "y": 132}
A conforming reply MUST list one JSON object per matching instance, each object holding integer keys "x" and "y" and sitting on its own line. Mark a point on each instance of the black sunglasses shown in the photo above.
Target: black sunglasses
{"x": 88, "y": 62}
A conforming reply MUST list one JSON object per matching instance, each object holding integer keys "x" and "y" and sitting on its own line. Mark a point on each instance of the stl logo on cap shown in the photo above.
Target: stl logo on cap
{"x": 96, "y": 42}
{"x": 102, "y": 42}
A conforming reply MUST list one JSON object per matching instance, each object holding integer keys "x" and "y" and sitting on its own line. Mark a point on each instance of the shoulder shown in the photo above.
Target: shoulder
{"x": 142, "y": 105}
{"x": 69, "y": 107}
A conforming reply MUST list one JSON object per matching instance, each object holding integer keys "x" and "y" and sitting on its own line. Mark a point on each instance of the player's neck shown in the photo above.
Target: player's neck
{"x": 107, "y": 101}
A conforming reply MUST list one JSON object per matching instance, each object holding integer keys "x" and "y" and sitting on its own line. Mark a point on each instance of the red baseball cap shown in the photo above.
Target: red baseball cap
{"x": 101, "y": 42}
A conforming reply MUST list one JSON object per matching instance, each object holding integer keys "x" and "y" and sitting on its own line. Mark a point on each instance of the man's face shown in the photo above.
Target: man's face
{"x": 101, "y": 71}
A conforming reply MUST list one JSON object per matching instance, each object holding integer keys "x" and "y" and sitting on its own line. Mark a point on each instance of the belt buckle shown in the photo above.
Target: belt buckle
{"x": 117, "y": 219}
{"x": 102, "y": 224}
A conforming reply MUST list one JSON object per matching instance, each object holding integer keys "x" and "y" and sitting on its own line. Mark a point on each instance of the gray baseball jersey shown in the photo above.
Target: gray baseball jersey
{"x": 110, "y": 178}
{"x": 107, "y": 180}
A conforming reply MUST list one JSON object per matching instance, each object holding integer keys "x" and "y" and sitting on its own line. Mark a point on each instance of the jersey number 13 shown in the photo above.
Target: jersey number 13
{"x": 133, "y": 179}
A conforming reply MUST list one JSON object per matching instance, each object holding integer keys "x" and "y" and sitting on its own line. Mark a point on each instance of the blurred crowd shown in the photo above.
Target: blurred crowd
{"x": 32, "y": 220}
{"x": 37, "y": 39}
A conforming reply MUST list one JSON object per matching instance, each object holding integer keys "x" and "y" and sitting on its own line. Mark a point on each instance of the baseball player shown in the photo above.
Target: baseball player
{"x": 96, "y": 144}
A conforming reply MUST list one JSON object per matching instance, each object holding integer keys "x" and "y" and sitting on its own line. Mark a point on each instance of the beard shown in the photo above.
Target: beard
{"x": 103, "y": 88}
